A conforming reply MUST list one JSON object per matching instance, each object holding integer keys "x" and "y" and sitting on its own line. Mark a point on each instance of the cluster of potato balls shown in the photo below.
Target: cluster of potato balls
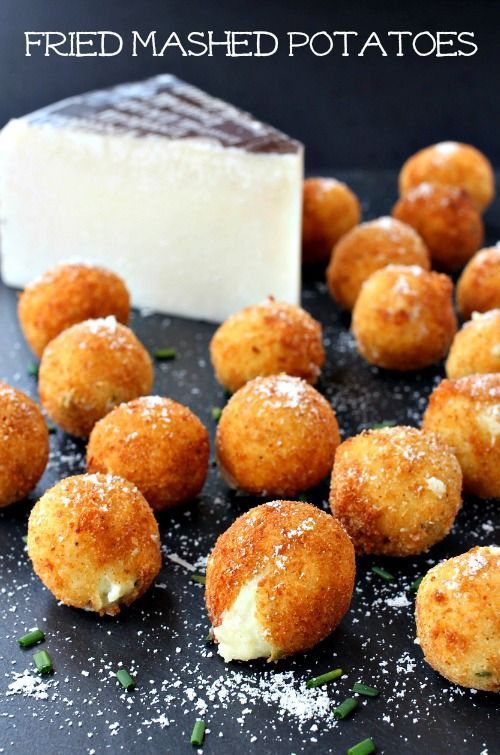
{"x": 281, "y": 577}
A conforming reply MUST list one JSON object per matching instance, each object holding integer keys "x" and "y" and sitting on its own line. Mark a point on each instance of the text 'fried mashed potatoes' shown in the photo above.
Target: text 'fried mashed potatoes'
{"x": 478, "y": 288}
{"x": 157, "y": 444}
{"x": 396, "y": 490}
{"x": 458, "y": 618}
{"x": 94, "y": 542}
{"x": 476, "y": 347}
{"x": 329, "y": 210}
{"x": 279, "y": 580}
{"x": 88, "y": 370}
{"x": 266, "y": 339}
{"x": 276, "y": 436}
{"x": 24, "y": 445}
{"x": 403, "y": 318}
{"x": 68, "y": 294}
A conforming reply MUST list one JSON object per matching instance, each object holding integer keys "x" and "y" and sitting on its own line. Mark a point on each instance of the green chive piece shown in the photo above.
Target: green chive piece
{"x": 302, "y": 497}
{"x": 51, "y": 428}
{"x": 125, "y": 679}
{"x": 24, "y": 538}
{"x": 317, "y": 681}
{"x": 200, "y": 578}
{"x": 208, "y": 637}
{"x": 31, "y": 638}
{"x": 346, "y": 708}
{"x": 380, "y": 572}
{"x": 415, "y": 585}
{"x": 381, "y": 425}
{"x": 43, "y": 662}
{"x": 198, "y": 734}
{"x": 32, "y": 369}
{"x": 364, "y": 689}
{"x": 483, "y": 673}
{"x": 166, "y": 353}
{"x": 365, "y": 747}
{"x": 216, "y": 413}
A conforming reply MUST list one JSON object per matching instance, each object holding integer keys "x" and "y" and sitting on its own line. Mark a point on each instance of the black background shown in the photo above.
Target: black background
{"x": 351, "y": 112}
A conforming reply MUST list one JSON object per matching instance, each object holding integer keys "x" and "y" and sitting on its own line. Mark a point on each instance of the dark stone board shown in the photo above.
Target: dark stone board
{"x": 257, "y": 707}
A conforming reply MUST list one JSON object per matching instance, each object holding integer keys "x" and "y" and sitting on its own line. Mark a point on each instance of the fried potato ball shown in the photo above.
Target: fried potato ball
{"x": 329, "y": 210}
{"x": 279, "y": 580}
{"x": 367, "y": 248}
{"x": 476, "y": 347}
{"x": 403, "y": 318}
{"x": 446, "y": 219}
{"x": 24, "y": 445}
{"x": 465, "y": 413}
{"x": 452, "y": 164}
{"x": 396, "y": 490}
{"x": 68, "y": 294}
{"x": 478, "y": 288}
{"x": 458, "y": 618}
{"x": 94, "y": 542}
{"x": 157, "y": 444}
{"x": 90, "y": 368}
{"x": 266, "y": 339}
{"x": 276, "y": 436}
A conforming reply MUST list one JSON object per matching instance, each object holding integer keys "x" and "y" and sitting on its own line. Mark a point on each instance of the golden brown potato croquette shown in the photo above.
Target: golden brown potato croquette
{"x": 465, "y": 413}
{"x": 266, "y": 339}
{"x": 157, "y": 444}
{"x": 276, "y": 436}
{"x": 68, "y": 294}
{"x": 330, "y": 209}
{"x": 446, "y": 219}
{"x": 403, "y": 318}
{"x": 94, "y": 542}
{"x": 396, "y": 490}
{"x": 279, "y": 580}
{"x": 452, "y": 164}
{"x": 458, "y": 618}
{"x": 476, "y": 347}
{"x": 89, "y": 369}
{"x": 478, "y": 288}
{"x": 24, "y": 445}
{"x": 367, "y": 248}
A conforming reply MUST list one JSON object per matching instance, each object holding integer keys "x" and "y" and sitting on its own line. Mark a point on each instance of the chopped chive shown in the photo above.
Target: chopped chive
{"x": 208, "y": 637}
{"x": 317, "y": 681}
{"x": 483, "y": 673}
{"x": 166, "y": 353}
{"x": 125, "y": 679}
{"x": 213, "y": 462}
{"x": 24, "y": 538}
{"x": 43, "y": 662}
{"x": 416, "y": 584}
{"x": 216, "y": 413}
{"x": 381, "y": 425}
{"x": 380, "y": 572}
{"x": 51, "y": 428}
{"x": 364, "y": 689}
{"x": 346, "y": 708}
{"x": 198, "y": 734}
{"x": 365, "y": 747}
{"x": 32, "y": 369}
{"x": 31, "y": 638}
{"x": 200, "y": 578}
{"x": 302, "y": 497}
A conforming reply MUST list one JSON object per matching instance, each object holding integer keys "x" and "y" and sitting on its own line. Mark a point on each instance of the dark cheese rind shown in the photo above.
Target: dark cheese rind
{"x": 167, "y": 107}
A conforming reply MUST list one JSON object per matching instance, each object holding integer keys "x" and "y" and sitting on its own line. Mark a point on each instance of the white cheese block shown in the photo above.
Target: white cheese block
{"x": 195, "y": 203}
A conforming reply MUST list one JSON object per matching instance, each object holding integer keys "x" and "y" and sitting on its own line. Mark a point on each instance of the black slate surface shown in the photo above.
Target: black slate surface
{"x": 257, "y": 707}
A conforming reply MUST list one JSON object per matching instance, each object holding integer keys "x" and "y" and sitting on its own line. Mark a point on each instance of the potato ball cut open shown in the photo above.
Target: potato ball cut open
{"x": 396, "y": 490}
{"x": 403, "y": 318}
{"x": 94, "y": 542}
{"x": 89, "y": 369}
{"x": 24, "y": 445}
{"x": 446, "y": 219}
{"x": 465, "y": 413}
{"x": 478, "y": 288}
{"x": 276, "y": 436}
{"x": 367, "y": 248}
{"x": 330, "y": 209}
{"x": 458, "y": 618}
{"x": 279, "y": 581}
{"x": 266, "y": 339}
{"x": 476, "y": 347}
{"x": 452, "y": 164}
{"x": 157, "y": 444}
{"x": 68, "y": 294}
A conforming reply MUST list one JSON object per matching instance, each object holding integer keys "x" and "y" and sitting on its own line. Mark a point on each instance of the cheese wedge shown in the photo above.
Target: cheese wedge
{"x": 195, "y": 203}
